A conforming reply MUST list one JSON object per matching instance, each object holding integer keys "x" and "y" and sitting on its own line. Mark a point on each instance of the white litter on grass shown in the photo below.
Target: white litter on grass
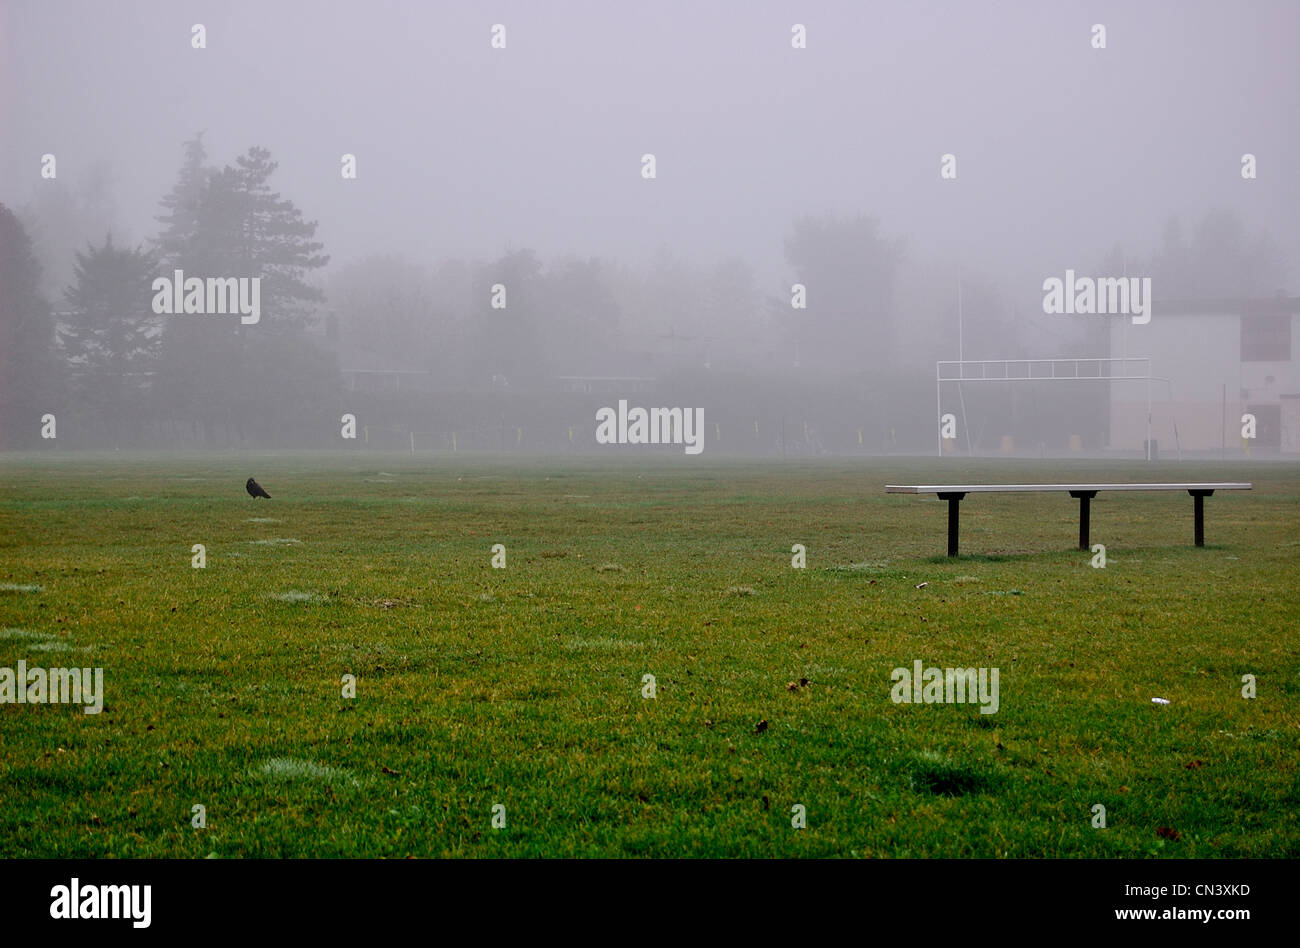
{"x": 41, "y": 641}
{"x": 921, "y": 585}
{"x": 292, "y": 768}
{"x": 863, "y": 567}
{"x": 604, "y": 645}
{"x": 262, "y": 520}
{"x": 56, "y": 645}
{"x": 294, "y": 595}
{"x": 1159, "y": 700}
{"x": 20, "y": 588}
{"x": 25, "y": 634}
{"x": 277, "y": 541}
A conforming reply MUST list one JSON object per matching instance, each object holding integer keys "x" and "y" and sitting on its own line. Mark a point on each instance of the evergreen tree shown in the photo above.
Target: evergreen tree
{"x": 215, "y": 371}
{"x": 111, "y": 337}
{"x": 30, "y": 373}
{"x": 180, "y": 223}
{"x": 246, "y": 229}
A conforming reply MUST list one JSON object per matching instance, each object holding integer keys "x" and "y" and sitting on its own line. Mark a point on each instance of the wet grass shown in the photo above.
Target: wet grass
{"x": 523, "y": 686}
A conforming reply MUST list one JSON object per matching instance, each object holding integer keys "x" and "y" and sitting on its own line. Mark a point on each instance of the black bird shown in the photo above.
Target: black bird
{"x": 255, "y": 489}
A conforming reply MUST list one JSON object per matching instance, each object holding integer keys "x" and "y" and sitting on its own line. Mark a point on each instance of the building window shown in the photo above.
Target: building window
{"x": 1266, "y": 338}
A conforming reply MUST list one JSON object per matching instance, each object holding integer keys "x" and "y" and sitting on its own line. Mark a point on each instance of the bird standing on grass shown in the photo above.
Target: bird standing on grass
{"x": 255, "y": 489}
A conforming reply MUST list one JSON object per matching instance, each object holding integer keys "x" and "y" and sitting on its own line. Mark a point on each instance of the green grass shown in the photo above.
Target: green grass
{"x": 522, "y": 686}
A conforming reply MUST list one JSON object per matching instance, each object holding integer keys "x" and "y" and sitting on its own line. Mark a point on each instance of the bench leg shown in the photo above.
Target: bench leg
{"x": 1084, "y": 498}
{"x": 954, "y": 500}
{"x": 1198, "y": 497}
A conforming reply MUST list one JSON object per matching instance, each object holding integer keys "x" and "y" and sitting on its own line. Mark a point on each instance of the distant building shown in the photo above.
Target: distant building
{"x": 1215, "y": 360}
{"x": 366, "y": 371}
{"x": 619, "y": 373}
{"x": 604, "y": 384}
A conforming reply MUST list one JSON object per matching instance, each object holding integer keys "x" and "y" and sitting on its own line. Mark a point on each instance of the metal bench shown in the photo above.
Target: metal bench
{"x": 954, "y": 493}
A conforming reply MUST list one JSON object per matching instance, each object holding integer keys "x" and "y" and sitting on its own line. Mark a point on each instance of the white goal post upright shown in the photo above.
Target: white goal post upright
{"x": 1103, "y": 370}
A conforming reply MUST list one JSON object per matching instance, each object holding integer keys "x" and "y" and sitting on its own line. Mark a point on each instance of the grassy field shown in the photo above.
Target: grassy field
{"x": 523, "y": 686}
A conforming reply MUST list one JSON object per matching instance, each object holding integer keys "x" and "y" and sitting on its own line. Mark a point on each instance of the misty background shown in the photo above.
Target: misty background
{"x": 522, "y": 166}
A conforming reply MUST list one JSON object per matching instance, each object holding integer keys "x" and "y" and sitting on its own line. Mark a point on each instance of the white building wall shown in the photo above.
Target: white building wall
{"x": 1200, "y": 355}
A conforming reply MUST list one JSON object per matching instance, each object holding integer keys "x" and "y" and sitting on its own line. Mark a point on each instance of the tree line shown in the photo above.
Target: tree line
{"x": 870, "y": 322}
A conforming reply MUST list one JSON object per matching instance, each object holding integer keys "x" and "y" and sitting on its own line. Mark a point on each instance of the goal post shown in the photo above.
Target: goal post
{"x": 961, "y": 371}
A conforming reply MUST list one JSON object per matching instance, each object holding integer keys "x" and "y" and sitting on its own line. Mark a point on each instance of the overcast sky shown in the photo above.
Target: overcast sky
{"x": 465, "y": 150}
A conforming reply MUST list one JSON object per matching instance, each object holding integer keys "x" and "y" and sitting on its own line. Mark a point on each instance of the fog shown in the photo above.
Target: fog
{"x": 515, "y": 159}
